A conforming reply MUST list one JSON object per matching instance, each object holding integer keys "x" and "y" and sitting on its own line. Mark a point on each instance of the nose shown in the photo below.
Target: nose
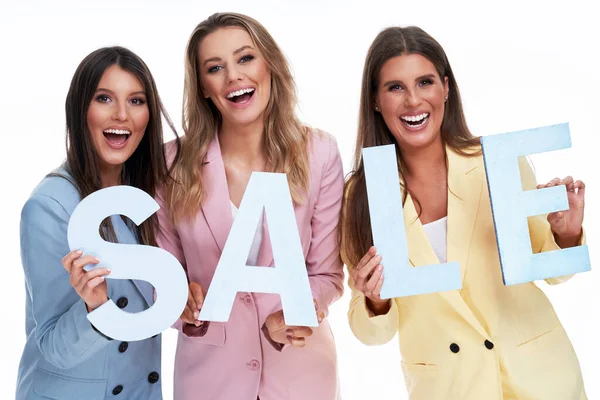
{"x": 233, "y": 74}
{"x": 120, "y": 112}
{"x": 412, "y": 99}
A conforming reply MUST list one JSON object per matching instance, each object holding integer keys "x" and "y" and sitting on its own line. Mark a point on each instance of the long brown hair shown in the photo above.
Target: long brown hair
{"x": 147, "y": 166}
{"x": 355, "y": 223}
{"x": 286, "y": 139}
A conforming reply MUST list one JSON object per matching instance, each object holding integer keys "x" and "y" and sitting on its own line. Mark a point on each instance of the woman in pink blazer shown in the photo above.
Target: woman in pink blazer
{"x": 239, "y": 102}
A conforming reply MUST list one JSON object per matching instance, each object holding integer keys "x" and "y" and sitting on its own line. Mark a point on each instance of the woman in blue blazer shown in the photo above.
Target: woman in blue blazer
{"x": 114, "y": 137}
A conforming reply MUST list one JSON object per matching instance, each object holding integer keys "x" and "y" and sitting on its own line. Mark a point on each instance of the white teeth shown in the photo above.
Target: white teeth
{"x": 415, "y": 118}
{"x": 240, "y": 92}
{"x": 118, "y": 131}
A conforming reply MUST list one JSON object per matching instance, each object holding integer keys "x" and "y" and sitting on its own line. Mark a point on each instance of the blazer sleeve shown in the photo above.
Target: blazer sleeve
{"x": 63, "y": 333}
{"x": 323, "y": 263}
{"x": 369, "y": 329}
{"x": 168, "y": 239}
{"x": 542, "y": 238}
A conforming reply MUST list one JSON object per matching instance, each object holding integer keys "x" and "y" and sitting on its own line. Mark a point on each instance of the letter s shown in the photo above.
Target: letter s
{"x": 151, "y": 264}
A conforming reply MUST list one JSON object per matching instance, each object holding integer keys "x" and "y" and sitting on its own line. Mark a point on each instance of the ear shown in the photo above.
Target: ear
{"x": 446, "y": 88}
{"x": 204, "y": 92}
{"x": 375, "y": 105}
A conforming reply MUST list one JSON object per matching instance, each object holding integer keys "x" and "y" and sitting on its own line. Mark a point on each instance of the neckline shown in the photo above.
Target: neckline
{"x": 436, "y": 222}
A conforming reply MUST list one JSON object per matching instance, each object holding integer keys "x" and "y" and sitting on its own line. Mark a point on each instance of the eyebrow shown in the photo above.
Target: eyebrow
{"x": 111, "y": 92}
{"x": 234, "y": 53}
{"x": 428, "y": 76}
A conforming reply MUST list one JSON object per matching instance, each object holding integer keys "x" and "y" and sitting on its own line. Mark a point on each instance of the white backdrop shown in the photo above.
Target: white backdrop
{"x": 519, "y": 64}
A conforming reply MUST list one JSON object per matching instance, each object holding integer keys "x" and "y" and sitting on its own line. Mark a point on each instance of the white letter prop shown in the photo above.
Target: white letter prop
{"x": 289, "y": 278}
{"x": 511, "y": 205}
{"x": 127, "y": 261}
{"x": 389, "y": 232}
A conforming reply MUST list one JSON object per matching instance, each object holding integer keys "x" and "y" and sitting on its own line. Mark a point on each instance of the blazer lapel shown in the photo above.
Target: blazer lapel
{"x": 217, "y": 206}
{"x": 464, "y": 192}
{"x": 420, "y": 252}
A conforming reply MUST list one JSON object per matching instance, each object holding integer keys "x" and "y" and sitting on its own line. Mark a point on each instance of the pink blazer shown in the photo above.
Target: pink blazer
{"x": 233, "y": 360}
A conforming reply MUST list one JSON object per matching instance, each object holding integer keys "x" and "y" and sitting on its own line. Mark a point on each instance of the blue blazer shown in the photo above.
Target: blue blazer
{"x": 64, "y": 356}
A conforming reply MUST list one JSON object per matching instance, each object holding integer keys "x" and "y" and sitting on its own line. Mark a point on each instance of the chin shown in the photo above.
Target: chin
{"x": 417, "y": 140}
{"x": 246, "y": 119}
{"x": 115, "y": 160}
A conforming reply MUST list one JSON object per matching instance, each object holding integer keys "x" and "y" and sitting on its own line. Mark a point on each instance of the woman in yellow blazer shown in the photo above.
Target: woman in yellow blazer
{"x": 486, "y": 341}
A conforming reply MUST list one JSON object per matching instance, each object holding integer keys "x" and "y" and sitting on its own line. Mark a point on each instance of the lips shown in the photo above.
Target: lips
{"x": 116, "y": 138}
{"x": 241, "y": 96}
{"x": 415, "y": 121}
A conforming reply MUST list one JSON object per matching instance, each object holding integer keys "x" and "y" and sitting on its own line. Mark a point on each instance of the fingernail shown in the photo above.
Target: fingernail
{"x": 109, "y": 270}
{"x": 101, "y": 278}
{"x": 197, "y": 323}
{"x": 378, "y": 258}
{"x": 79, "y": 252}
{"x": 289, "y": 331}
{"x": 196, "y": 314}
{"x": 379, "y": 267}
{"x": 95, "y": 259}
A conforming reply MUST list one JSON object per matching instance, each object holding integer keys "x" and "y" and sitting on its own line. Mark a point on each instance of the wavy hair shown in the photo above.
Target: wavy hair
{"x": 285, "y": 137}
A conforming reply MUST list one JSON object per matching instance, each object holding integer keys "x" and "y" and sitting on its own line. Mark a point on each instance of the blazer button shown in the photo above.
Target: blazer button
{"x": 454, "y": 348}
{"x": 153, "y": 377}
{"x": 254, "y": 365}
{"x": 122, "y": 302}
{"x": 489, "y": 345}
{"x": 118, "y": 389}
{"x": 123, "y": 347}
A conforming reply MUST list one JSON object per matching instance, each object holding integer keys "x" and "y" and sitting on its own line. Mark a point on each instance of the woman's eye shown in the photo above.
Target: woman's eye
{"x": 214, "y": 69}
{"x": 138, "y": 101}
{"x": 246, "y": 58}
{"x": 103, "y": 98}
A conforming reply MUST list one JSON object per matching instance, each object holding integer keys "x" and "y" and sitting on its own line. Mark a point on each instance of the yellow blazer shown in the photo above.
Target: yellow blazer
{"x": 486, "y": 341}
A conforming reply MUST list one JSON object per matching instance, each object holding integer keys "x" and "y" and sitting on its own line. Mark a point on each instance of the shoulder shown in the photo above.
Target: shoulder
{"x": 55, "y": 190}
{"x": 466, "y": 160}
{"x": 323, "y": 148}
{"x": 170, "y": 148}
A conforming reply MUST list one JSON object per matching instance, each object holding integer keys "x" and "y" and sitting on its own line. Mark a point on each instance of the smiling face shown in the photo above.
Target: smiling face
{"x": 411, "y": 99}
{"x": 234, "y": 75}
{"x": 117, "y": 117}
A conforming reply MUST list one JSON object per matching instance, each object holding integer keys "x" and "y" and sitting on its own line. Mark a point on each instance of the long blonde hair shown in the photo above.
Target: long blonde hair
{"x": 285, "y": 138}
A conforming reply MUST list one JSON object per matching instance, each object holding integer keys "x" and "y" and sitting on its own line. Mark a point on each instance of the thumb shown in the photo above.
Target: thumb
{"x": 555, "y": 218}
{"x": 275, "y": 321}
